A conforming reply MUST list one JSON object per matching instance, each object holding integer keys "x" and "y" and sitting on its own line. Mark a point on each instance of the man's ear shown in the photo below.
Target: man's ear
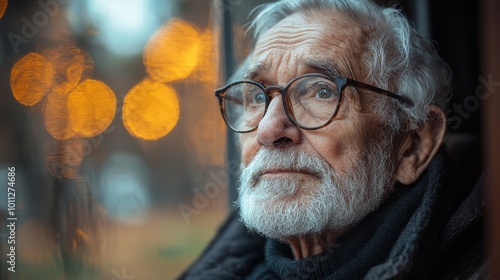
{"x": 418, "y": 147}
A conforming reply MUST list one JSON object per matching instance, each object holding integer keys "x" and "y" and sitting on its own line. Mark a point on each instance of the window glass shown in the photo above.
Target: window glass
{"x": 111, "y": 136}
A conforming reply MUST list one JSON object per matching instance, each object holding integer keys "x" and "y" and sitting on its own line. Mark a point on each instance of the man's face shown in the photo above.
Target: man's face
{"x": 290, "y": 171}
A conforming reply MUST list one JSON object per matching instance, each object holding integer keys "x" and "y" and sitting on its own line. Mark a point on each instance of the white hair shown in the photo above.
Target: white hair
{"x": 398, "y": 58}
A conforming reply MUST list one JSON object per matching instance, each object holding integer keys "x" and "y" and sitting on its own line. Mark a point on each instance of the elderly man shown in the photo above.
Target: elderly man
{"x": 339, "y": 107}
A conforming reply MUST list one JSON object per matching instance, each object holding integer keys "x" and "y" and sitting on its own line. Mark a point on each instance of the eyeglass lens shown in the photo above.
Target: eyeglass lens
{"x": 312, "y": 102}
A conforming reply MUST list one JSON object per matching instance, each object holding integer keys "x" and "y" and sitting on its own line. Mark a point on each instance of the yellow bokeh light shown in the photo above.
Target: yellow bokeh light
{"x": 70, "y": 63}
{"x": 91, "y": 108}
{"x": 172, "y": 53}
{"x": 80, "y": 69}
{"x": 3, "y": 7}
{"x": 208, "y": 66}
{"x": 150, "y": 110}
{"x": 30, "y": 78}
{"x": 55, "y": 112}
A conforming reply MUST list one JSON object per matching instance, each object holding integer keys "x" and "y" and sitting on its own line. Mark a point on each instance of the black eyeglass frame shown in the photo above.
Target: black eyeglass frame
{"x": 341, "y": 83}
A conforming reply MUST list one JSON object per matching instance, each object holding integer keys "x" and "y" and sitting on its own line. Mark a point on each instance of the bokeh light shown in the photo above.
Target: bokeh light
{"x": 69, "y": 62}
{"x": 150, "y": 110}
{"x": 3, "y": 7}
{"x": 172, "y": 53}
{"x": 80, "y": 69}
{"x": 31, "y": 78}
{"x": 55, "y": 112}
{"x": 210, "y": 150}
{"x": 91, "y": 107}
{"x": 207, "y": 70}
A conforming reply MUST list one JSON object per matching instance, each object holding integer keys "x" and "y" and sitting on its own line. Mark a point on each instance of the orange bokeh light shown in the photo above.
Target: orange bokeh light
{"x": 91, "y": 108}
{"x": 150, "y": 110}
{"x": 31, "y": 78}
{"x": 207, "y": 70}
{"x": 55, "y": 113}
{"x": 80, "y": 69}
{"x": 70, "y": 63}
{"x": 172, "y": 53}
{"x": 3, "y": 7}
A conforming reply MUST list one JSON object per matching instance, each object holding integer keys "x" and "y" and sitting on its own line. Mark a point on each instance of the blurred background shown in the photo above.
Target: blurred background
{"x": 108, "y": 115}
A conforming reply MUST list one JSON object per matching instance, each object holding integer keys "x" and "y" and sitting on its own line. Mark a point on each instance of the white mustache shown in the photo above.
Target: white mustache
{"x": 285, "y": 159}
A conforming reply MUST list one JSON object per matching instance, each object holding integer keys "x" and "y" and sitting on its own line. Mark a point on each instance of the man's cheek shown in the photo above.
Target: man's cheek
{"x": 249, "y": 148}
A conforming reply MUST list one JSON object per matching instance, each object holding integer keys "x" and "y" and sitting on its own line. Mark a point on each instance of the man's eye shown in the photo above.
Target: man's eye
{"x": 259, "y": 98}
{"x": 255, "y": 97}
{"x": 325, "y": 93}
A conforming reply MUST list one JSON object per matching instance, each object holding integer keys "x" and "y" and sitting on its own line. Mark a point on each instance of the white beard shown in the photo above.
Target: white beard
{"x": 280, "y": 207}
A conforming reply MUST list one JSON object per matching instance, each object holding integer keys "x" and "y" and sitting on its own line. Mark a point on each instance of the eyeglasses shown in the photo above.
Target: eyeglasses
{"x": 311, "y": 101}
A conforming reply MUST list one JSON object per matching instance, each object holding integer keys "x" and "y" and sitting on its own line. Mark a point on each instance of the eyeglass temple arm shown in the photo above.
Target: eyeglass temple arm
{"x": 405, "y": 100}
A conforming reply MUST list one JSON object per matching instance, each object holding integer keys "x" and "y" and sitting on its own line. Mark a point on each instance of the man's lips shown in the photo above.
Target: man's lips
{"x": 289, "y": 172}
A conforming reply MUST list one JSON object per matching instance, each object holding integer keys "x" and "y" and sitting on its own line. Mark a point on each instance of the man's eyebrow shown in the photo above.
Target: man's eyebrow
{"x": 327, "y": 67}
{"x": 255, "y": 71}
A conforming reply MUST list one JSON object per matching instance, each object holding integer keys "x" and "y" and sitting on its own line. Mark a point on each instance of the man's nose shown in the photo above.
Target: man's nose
{"x": 275, "y": 128}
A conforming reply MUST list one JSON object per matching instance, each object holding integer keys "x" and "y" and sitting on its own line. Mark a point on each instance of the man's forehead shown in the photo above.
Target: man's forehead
{"x": 319, "y": 41}
{"x": 324, "y": 65}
